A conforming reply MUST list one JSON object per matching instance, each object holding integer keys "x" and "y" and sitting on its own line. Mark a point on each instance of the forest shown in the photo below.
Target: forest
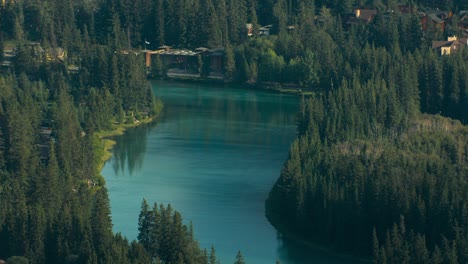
{"x": 379, "y": 166}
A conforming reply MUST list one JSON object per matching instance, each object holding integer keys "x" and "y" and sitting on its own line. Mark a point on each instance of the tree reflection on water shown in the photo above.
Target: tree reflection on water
{"x": 130, "y": 150}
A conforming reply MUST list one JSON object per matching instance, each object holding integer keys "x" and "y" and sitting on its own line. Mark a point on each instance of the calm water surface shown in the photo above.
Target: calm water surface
{"x": 214, "y": 156}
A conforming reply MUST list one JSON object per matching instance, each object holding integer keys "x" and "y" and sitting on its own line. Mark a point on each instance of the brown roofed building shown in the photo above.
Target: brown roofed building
{"x": 434, "y": 20}
{"x": 362, "y": 16}
{"x": 463, "y": 22}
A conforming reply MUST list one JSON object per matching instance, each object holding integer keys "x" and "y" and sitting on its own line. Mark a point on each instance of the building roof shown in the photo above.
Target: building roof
{"x": 452, "y": 43}
{"x": 439, "y": 44}
{"x": 180, "y": 52}
{"x": 165, "y": 47}
{"x": 463, "y": 22}
{"x": 436, "y": 19}
{"x": 404, "y": 8}
{"x": 201, "y": 49}
{"x": 216, "y": 52}
{"x": 365, "y": 14}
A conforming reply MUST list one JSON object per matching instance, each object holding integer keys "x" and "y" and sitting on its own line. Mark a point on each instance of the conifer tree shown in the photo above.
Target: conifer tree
{"x": 239, "y": 258}
{"x": 229, "y": 62}
{"x": 2, "y": 47}
{"x": 145, "y": 225}
{"x": 101, "y": 225}
{"x": 213, "y": 259}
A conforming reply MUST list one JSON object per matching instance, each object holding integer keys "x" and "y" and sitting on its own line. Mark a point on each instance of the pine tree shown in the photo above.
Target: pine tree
{"x": 229, "y": 63}
{"x": 101, "y": 225}
{"x": 158, "y": 19}
{"x": 53, "y": 193}
{"x": 239, "y": 258}
{"x": 210, "y": 33}
{"x": 213, "y": 259}
{"x": 375, "y": 247}
{"x": 38, "y": 232}
{"x": 145, "y": 225}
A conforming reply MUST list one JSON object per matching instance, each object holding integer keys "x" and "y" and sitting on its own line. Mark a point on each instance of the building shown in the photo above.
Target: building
{"x": 434, "y": 20}
{"x": 45, "y": 135}
{"x": 463, "y": 22}
{"x": 184, "y": 61}
{"x": 362, "y": 16}
{"x": 56, "y": 54}
{"x": 265, "y": 31}
{"x": 437, "y": 18}
{"x": 250, "y": 29}
{"x": 451, "y": 46}
{"x": 4, "y": 2}
{"x": 179, "y": 58}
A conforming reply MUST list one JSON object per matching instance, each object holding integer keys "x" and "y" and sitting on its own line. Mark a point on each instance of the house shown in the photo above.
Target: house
{"x": 437, "y": 18}
{"x": 45, "y": 135}
{"x": 451, "y": 46}
{"x": 432, "y": 19}
{"x": 164, "y": 48}
{"x": 56, "y": 54}
{"x": 4, "y": 2}
{"x": 36, "y": 49}
{"x": 405, "y": 8}
{"x": 8, "y": 56}
{"x": 463, "y": 22}
{"x": 201, "y": 50}
{"x": 182, "y": 59}
{"x": 250, "y": 29}
{"x": 265, "y": 31}
{"x": 362, "y": 16}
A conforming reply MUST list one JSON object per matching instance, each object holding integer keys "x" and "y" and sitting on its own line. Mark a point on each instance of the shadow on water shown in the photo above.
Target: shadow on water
{"x": 294, "y": 251}
{"x": 234, "y": 114}
{"x": 129, "y": 152}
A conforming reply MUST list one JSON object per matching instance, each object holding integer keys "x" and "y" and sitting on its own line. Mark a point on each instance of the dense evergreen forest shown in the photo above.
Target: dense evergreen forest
{"x": 376, "y": 169}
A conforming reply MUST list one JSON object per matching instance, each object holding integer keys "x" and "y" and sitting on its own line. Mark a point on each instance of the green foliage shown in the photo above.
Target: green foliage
{"x": 166, "y": 238}
{"x": 367, "y": 155}
{"x": 157, "y": 68}
{"x": 229, "y": 63}
{"x": 239, "y": 258}
{"x": 18, "y": 260}
{"x": 364, "y": 152}
{"x": 53, "y": 205}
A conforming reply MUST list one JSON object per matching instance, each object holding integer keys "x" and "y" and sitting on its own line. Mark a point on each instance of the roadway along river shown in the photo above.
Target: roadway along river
{"x": 214, "y": 155}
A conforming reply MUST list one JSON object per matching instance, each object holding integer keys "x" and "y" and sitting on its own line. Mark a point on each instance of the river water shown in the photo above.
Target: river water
{"x": 214, "y": 155}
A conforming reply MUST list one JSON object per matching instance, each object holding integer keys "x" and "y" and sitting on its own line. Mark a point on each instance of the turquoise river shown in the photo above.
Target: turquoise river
{"x": 213, "y": 155}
